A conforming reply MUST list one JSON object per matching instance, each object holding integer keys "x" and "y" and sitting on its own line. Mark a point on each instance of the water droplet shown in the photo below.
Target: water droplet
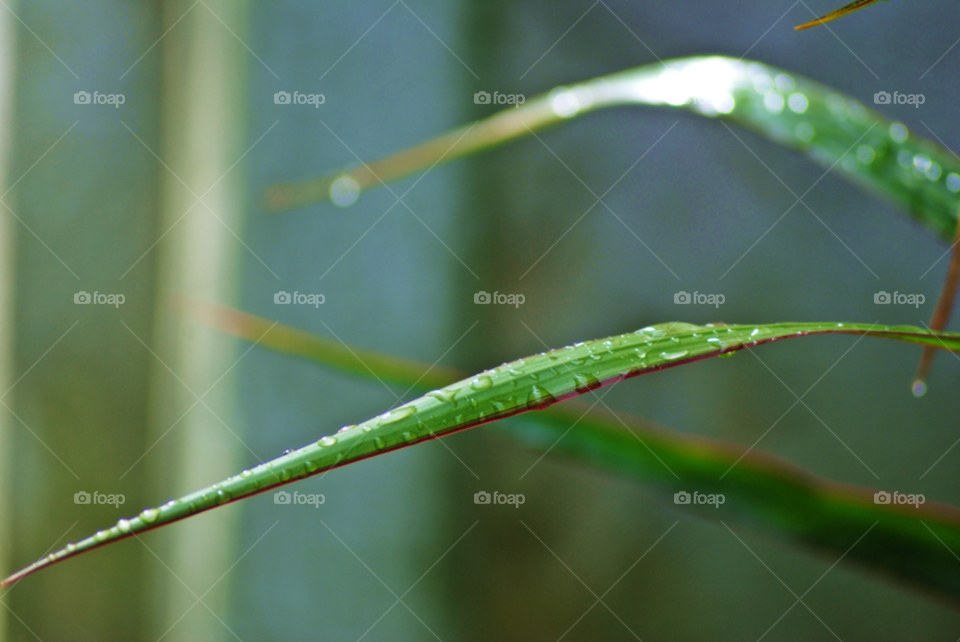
{"x": 481, "y": 383}
{"x": 346, "y": 428}
{"x": 919, "y": 388}
{"x": 408, "y": 437}
{"x": 762, "y": 83}
{"x": 473, "y": 402}
{"x": 798, "y": 103}
{"x": 367, "y": 428}
{"x": 310, "y": 465}
{"x": 222, "y": 496}
{"x": 51, "y": 557}
{"x": 327, "y": 441}
{"x": 344, "y": 191}
{"x": 150, "y": 515}
{"x": 123, "y": 526}
{"x": 498, "y": 405}
{"x": 585, "y": 383}
{"x": 921, "y": 163}
{"x": 397, "y": 414}
{"x": 898, "y": 133}
{"x": 539, "y": 398}
{"x": 564, "y": 103}
{"x": 284, "y": 474}
{"x": 247, "y": 473}
{"x": 444, "y": 395}
{"x": 773, "y": 102}
{"x": 71, "y": 547}
{"x": 379, "y": 443}
{"x": 101, "y": 536}
{"x": 671, "y": 356}
{"x": 785, "y": 83}
{"x": 287, "y": 451}
{"x": 953, "y": 182}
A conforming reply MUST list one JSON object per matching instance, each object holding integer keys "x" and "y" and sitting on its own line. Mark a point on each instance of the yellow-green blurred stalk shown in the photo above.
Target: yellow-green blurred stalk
{"x": 203, "y": 127}
{"x": 7, "y": 41}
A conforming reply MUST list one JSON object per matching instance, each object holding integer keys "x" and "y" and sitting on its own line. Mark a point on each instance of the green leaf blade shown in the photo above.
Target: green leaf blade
{"x": 527, "y": 384}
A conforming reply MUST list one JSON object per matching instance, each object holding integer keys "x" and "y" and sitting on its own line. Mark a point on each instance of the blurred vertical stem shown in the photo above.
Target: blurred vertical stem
{"x": 203, "y": 128}
{"x": 941, "y": 314}
{"x": 7, "y": 48}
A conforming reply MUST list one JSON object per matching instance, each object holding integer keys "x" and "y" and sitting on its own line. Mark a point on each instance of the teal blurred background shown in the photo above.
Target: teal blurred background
{"x": 161, "y": 196}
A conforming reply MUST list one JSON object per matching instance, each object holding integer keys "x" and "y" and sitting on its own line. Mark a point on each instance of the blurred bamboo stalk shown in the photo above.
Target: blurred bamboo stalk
{"x": 7, "y": 47}
{"x": 203, "y": 135}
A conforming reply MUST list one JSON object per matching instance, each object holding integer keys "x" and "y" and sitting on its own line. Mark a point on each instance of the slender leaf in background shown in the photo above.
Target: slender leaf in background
{"x": 833, "y": 129}
{"x": 763, "y": 489}
{"x": 839, "y": 13}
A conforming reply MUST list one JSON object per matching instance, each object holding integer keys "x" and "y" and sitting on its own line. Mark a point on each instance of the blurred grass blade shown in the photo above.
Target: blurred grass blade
{"x": 839, "y": 13}
{"x": 761, "y": 489}
{"x": 831, "y": 128}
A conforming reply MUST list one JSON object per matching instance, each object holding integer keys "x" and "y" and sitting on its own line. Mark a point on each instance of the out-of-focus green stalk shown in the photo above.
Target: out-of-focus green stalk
{"x": 759, "y": 488}
{"x": 856, "y": 5}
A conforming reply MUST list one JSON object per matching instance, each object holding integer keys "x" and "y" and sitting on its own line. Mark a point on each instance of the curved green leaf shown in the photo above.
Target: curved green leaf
{"x": 762, "y": 489}
{"x": 833, "y": 129}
